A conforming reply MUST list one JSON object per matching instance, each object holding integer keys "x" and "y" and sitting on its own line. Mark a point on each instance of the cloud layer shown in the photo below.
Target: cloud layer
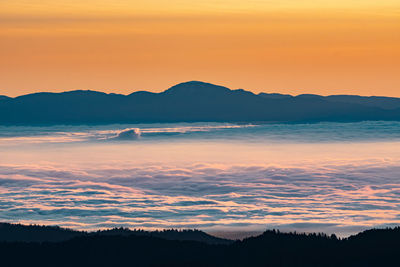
{"x": 330, "y": 177}
{"x": 336, "y": 196}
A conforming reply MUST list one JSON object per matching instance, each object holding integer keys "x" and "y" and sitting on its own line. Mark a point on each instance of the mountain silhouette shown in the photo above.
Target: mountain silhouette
{"x": 376, "y": 247}
{"x": 191, "y": 102}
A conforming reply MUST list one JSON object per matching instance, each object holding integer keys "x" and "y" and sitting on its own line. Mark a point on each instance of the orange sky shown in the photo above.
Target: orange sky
{"x": 288, "y": 46}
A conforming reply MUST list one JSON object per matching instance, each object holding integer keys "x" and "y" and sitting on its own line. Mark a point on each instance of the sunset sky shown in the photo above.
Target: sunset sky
{"x": 287, "y": 46}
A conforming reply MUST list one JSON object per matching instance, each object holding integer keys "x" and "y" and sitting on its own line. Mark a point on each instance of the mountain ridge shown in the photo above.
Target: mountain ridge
{"x": 192, "y": 101}
{"x": 202, "y": 84}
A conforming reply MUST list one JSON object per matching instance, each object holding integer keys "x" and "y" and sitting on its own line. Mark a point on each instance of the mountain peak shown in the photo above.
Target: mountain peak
{"x": 196, "y": 87}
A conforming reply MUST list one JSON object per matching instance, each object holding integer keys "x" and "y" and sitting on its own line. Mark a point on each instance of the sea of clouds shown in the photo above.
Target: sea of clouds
{"x": 338, "y": 196}
{"x": 288, "y": 177}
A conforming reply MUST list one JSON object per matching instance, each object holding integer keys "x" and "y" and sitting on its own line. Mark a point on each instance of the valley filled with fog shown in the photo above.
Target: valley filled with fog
{"x": 221, "y": 178}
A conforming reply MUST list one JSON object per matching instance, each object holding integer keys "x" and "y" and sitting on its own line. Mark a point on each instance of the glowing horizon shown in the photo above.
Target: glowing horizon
{"x": 321, "y": 47}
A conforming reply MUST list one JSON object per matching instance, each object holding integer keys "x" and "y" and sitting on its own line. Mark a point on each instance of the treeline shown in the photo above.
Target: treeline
{"x": 40, "y": 233}
{"x": 377, "y": 247}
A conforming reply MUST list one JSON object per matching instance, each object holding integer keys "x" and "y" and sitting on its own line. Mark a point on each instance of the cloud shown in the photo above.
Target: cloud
{"x": 78, "y": 134}
{"x": 335, "y": 196}
{"x": 127, "y": 134}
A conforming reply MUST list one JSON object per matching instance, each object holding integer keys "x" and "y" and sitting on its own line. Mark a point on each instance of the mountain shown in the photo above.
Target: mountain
{"x": 191, "y": 102}
{"x": 376, "y": 247}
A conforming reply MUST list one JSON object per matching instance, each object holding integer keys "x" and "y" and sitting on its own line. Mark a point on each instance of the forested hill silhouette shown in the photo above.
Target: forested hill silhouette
{"x": 377, "y": 247}
{"x": 191, "y": 102}
{"x": 38, "y": 233}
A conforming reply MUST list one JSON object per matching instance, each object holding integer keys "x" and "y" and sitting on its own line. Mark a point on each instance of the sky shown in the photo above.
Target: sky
{"x": 288, "y": 46}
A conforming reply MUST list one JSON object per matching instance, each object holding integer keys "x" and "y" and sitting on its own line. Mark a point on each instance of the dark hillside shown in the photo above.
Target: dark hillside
{"x": 119, "y": 248}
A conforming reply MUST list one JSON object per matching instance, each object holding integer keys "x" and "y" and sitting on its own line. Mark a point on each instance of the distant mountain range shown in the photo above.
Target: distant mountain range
{"x": 191, "y": 102}
{"x": 27, "y": 246}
